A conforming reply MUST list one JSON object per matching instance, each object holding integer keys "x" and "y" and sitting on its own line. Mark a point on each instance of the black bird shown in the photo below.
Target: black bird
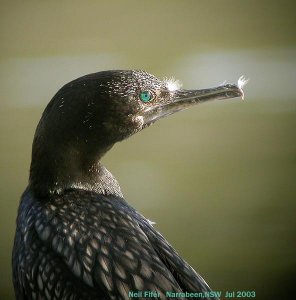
{"x": 76, "y": 236}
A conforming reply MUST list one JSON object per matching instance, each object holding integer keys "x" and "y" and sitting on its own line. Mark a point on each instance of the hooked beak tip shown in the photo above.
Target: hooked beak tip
{"x": 242, "y": 81}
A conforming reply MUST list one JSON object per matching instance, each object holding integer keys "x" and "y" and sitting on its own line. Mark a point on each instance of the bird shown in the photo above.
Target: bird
{"x": 76, "y": 236}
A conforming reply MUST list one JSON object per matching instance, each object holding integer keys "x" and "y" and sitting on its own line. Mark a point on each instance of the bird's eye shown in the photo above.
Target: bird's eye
{"x": 146, "y": 96}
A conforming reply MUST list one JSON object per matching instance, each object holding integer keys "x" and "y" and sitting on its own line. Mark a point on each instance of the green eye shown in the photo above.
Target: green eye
{"x": 146, "y": 96}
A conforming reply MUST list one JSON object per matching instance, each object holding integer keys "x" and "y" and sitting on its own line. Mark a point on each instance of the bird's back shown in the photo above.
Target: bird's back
{"x": 84, "y": 245}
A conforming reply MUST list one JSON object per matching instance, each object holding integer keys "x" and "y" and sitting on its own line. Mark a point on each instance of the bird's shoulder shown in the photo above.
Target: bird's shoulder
{"x": 102, "y": 241}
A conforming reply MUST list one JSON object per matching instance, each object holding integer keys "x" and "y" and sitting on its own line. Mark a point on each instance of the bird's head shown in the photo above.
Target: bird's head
{"x": 90, "y": 114}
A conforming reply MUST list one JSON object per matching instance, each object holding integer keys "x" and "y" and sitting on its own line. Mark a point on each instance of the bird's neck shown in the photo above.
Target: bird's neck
{"x": 57, "y": 169}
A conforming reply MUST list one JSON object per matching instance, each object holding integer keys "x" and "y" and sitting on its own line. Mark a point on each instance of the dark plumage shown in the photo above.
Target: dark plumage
{"x": 76, "y": 236}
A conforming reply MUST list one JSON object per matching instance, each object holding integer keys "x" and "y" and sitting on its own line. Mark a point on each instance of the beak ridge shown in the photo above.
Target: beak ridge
{"x": 183, "y": 99}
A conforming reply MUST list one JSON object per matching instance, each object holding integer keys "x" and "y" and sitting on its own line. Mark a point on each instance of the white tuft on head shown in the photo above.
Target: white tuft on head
{"x": 242, "y": 81}
{"x": 172, "y": 84}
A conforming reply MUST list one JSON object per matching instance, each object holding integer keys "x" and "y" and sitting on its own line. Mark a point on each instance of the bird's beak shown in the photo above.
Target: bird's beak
{"x": 183, "y": 99}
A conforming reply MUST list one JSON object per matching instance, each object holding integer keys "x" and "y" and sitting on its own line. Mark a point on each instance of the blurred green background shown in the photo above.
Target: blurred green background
{"x": 219, "y": 179}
